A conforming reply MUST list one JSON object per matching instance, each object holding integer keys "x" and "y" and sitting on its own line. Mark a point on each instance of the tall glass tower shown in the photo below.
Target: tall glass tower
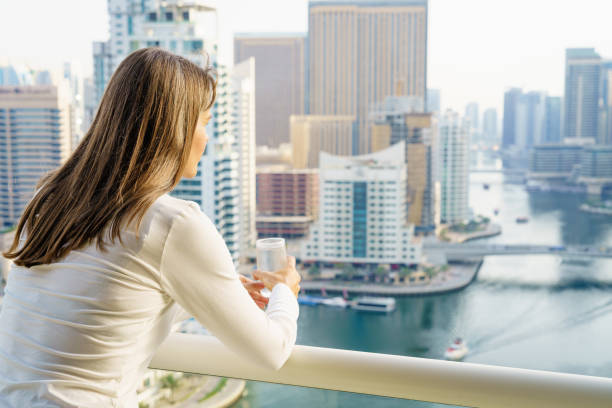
{"x": 35, "y": 138}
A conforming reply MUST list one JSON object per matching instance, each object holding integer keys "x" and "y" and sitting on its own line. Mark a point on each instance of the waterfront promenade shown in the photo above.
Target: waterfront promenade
{"x": 457, "y": 277}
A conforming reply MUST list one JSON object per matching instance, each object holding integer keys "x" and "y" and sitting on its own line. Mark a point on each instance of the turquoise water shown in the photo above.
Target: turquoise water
{"x": 538, "y": 312}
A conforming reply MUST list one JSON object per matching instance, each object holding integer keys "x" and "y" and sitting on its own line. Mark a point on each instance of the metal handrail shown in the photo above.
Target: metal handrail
{"x": 445, "y": 382}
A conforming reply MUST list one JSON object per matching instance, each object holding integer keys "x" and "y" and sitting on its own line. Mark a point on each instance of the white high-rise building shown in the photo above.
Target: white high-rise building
{"x": 35, "y": 138}
{"x": 224, "y": 186}
{"x": 184, "y": 27}
{"x": 243, "y": 120}
{"x": 453, "y": 171}
{"x": 362, "y": 212}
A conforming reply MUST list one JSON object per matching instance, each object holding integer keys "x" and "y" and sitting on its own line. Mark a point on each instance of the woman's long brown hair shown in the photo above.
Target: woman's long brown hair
{"x": 135, "y": 151}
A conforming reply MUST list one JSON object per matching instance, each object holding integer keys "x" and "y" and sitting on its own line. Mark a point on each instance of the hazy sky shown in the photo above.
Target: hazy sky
{"x": 477, "y": 48}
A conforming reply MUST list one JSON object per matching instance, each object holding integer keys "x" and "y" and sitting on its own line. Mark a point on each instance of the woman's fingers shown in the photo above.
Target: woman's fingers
{"x": 256, "y": 286}
{"x": 291, "y": 261}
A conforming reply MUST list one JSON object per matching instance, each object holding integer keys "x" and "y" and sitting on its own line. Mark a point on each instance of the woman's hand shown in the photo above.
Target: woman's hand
{"x": 254, "y": 288}
{"x": 289, "y": 276}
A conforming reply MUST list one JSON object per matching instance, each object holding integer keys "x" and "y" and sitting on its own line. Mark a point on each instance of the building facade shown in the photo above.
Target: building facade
{"x": 312, "y": 134}
{"x": 433, "y": 101}
{"x": 582, "y": 82}
{"x": 243, "y": 119}
{"x": 509, "y": 131}
{"x": 552, "y": 120}
{"x": 287, "y": 202}
{"x": 279, "y": 83}
{"x": 362, "y": 212}
{"x": 453, "y": 168}
{"x": 360, "y": 52}
{"x": 185, "y": 28}
{"x": 596, "y": 162}
{"x": 35, "y": 138}
{"x": 489, "y": 126}
{"x": 554, "y": 160}
{"x": 400, "y": 119}
{"x": 604, "y": 126}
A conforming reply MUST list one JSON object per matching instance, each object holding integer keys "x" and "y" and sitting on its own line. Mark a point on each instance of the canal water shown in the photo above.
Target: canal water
{"x": 538, "y": 312}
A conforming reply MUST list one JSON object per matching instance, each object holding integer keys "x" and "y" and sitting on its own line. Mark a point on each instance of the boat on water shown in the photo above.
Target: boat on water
{"x": 457, "y": 350}
{"x": 374, "y": 304}
{"x": 335, "y": 302}
{"x": 309, "y": 300}
{"x": 522, "y": 220}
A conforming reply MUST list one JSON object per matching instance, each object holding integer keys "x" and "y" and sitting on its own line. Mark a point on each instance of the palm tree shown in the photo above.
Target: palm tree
{"x": 430, "y": 271}
{"x": 170, "y": 382}
{"x": 348, "y": 271}
{"x": 404, "y": 272}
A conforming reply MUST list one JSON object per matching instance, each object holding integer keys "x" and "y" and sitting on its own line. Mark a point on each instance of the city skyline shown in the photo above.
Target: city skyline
{"x": 532, "y": 58}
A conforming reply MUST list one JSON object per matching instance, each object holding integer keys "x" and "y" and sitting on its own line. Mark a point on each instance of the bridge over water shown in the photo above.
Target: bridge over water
{"x": 466, "y": 251}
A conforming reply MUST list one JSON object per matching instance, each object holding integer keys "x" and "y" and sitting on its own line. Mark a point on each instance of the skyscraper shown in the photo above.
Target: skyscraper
{"x": 472, "y": 113}
{"x": 401, "y": 119}
{"x": 243, "y": 115}
{"x": 35, "y": 138}
{"x": 511, "y": 101}
{"x": 360, "y": 52}
{"x": 312, "y": 134}
{"x": 552, "y": 120}
{"x": 102, "y": 69}
{"x": 489, "y": 125}
{"x": 185, "y": 28}
{"x": 536, "y": 109}
{"x": 433, "y": 100}
{"x": 453, "y": 162}
{"x": 604, "y": 126}
{"x": 279, "y": 83}
{"x": 582, "y": 82}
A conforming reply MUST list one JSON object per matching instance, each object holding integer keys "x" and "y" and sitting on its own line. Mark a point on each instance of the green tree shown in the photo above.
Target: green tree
{"x": 380, "y": 272}
{"x": 348, "y": 271}
{"x": 314, "y": 271}
{"x": 430, "y": 271}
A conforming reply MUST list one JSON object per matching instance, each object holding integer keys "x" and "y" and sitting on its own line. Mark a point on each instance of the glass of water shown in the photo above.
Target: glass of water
{"x": 271, "y": 256}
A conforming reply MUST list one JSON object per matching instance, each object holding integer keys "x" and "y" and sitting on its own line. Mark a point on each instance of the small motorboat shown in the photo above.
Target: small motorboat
{"x": 522, "y": 220}
{"x": 457, "y": 350}
{"x": 309, "y": 300}
{"x": 335, "y": 301}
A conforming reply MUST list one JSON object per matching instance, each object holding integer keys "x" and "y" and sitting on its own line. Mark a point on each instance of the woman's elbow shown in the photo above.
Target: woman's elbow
{"x": 276, "y": 360}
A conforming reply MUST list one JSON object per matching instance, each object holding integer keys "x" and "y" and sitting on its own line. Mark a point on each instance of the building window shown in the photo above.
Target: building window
{"x": 185, "y": 15}
{"x": 169, "y": 16}
{"x": 152, "y": 17}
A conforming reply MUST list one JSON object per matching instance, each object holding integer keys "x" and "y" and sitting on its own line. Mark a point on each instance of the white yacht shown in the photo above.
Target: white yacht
{"x": 335, "y": 301}
{"x": 374, "y": 304}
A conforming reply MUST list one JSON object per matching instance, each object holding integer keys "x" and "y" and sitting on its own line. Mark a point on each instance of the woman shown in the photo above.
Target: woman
{"x": 106, "y": 262}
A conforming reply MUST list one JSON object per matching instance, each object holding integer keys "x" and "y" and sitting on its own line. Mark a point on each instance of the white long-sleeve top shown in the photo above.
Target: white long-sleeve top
{"x": 80, "y": 332}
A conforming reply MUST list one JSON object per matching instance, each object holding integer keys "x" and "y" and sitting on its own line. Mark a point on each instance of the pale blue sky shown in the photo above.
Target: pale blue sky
{"x": 477, "y": 48}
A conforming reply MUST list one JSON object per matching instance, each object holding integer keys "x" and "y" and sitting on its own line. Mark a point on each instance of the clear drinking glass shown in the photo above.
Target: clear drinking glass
{"x": 271, "y": 256}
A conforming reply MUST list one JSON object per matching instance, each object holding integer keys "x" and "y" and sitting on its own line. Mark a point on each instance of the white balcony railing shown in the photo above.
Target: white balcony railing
{"x": 413, "y": 378}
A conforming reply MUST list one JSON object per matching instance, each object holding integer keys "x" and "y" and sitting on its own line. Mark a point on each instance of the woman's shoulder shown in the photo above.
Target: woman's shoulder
{"x": 171, "y": 210}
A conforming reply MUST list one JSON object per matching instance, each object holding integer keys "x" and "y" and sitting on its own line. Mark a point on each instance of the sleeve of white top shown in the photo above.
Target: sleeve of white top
{"x": 197, "y": 271}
